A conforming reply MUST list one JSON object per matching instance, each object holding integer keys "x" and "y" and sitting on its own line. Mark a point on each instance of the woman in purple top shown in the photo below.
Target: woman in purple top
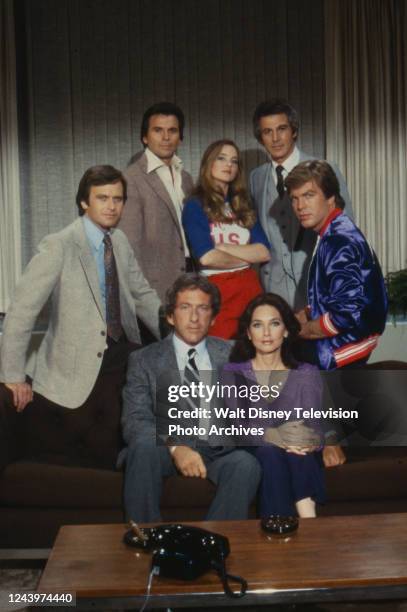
{"x": 289, "y": 453}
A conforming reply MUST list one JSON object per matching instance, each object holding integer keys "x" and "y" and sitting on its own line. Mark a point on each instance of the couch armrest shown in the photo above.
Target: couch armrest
{"x": 9, "y": 426}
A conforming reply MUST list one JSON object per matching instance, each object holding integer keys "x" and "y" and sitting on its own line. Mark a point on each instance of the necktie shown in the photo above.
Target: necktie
{"x": 191, "y": 372}
{"x": 114, "y": 327}
{"x": 280, "y": 181}
{"x": 191, "y": 375}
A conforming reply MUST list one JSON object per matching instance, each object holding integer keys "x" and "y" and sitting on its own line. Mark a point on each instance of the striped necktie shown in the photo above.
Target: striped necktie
{"x": 191, "y": 372}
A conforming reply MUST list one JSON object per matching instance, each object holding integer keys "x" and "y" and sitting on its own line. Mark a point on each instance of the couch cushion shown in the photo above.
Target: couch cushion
{"x": 56, "y": 486}
{"x": 368, "y": 474}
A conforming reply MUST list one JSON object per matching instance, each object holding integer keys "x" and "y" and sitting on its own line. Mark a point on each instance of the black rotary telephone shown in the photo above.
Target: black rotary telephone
{"x": 184, "y": 552}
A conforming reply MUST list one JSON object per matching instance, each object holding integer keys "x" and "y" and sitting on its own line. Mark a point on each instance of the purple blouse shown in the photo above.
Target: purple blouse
{"x": 302, "y": 390}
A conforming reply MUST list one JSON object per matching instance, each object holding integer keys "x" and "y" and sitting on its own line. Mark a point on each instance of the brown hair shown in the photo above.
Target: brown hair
{"x": 191, "y": 280}
{"x": 321, "y": 173}
{"x": 212, "y": 198}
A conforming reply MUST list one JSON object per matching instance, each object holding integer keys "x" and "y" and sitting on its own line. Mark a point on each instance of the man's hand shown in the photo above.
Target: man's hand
{"x": 333, "y": 455}
{"x": 310, "y": 328}
{"x": 189, "y": 462}
{"x": 302, "y": 316}
{"x": 22, "y": 394}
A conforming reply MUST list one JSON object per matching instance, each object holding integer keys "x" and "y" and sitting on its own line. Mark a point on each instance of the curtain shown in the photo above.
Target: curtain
{"x": 10, "y": 243}
{"x": 366, "y": 112}
{"x": 93, "y": 67}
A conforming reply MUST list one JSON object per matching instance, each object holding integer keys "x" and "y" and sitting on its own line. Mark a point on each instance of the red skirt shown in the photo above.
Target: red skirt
{"x": 237, "y": 289}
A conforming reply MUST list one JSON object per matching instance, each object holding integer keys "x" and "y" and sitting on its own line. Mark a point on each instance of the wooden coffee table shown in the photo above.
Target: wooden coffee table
{"x": 328, "y": 559}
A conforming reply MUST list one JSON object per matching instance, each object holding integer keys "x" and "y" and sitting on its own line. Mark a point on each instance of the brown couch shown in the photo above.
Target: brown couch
{"x": 59, "y": 468}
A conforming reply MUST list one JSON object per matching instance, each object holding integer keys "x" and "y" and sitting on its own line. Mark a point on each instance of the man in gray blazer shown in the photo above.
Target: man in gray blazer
{"x": 191, "y": 305}
{"x": 157, "y": 186}
{"x": 93, "y": 303}
{"x": 276, "y": 124}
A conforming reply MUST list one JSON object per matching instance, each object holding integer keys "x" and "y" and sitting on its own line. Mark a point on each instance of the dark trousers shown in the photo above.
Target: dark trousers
{"x": 87, "y": 436}
{"x": 236, "y": 475}
{"x": 288, "y": 478}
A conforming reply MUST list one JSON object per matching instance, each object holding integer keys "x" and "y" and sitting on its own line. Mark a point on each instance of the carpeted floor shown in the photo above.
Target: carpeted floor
{"x": 27, "y": 579}
{"x": 16, "y": 580}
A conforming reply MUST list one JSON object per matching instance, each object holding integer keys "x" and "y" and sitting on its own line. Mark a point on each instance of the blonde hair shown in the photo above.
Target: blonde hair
{"x": 213, "y": 199}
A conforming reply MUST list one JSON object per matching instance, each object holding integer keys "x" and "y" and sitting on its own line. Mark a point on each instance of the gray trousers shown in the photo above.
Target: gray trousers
{"x": 236, "y": 474}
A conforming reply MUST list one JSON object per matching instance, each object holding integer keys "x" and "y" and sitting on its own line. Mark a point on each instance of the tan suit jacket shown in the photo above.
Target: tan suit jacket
{"x": 150, "y": 222}
{"x": 69, "y": 358}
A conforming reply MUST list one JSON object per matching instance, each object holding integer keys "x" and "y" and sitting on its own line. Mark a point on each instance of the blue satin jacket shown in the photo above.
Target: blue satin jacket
{"x": 346, "y": 292}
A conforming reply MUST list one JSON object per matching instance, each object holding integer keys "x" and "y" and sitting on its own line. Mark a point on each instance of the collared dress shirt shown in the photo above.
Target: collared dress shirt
{"x": 170, "y": 176}
{"x": 95, "y": 238}
{"x": 203, "y": 363}
{"x": 290, "y": 163}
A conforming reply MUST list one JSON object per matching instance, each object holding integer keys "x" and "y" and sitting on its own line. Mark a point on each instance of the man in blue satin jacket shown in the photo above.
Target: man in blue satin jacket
{"x": 347, "y": 300}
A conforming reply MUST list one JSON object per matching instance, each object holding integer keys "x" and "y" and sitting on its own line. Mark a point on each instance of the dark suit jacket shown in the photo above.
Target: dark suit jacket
{"x": 151, "y": 224}
{"x": 148, "y": 373}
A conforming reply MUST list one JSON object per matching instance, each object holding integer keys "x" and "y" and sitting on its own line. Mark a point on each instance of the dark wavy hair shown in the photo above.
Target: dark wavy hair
{"x": 95, "y": 176}
{"x": 244, "y": 349}
{"x": 191, "y": 280}
{"x": 162, "y": 108}
{"x": 276, "y": 106}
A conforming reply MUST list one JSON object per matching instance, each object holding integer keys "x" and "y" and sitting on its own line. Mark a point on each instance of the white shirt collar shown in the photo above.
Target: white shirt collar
{"x": 182, "y": 348}
{"x": 154, "y": 162}
{"x": 290, "y": 162}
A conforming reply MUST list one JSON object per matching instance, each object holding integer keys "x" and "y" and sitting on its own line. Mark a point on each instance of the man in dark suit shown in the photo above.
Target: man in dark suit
{"x": 191, "y": 306}
{"x": 157, "y": 186}
{"x": 276, "y": 125}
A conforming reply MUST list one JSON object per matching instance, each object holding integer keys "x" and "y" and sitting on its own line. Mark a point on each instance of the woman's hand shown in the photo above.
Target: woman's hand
{"x": 301, "y": 450}
{"x": 293, "y": 436}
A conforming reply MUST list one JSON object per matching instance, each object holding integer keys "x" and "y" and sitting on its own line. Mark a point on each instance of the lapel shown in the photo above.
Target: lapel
{"x": 269, "y": 185}
{"x": 167, "y": 359}
{"x": 268, "y": 192}
{"x": 88, "y": 264}
{"x": 158, "y": 187}
{"x": 217, "y": 354}
{"x": 163, "y": 373}
{"x": 121, "y": 255}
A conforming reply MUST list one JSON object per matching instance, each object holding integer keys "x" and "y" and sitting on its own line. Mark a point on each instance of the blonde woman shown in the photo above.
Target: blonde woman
{"x": 223, "y": 233}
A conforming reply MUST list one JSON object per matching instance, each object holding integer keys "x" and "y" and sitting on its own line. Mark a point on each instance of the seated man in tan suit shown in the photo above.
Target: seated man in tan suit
{"x": 95, "y": 287}
{"x": 157, "y": 186}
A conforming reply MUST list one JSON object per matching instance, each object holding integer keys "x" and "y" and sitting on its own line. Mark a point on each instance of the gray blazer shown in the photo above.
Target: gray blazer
{"x": 291, "y": 250}
{"x": 149, "y": 372}
{"x": 150, "y": 222}
{"x": 69, "y": 358}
